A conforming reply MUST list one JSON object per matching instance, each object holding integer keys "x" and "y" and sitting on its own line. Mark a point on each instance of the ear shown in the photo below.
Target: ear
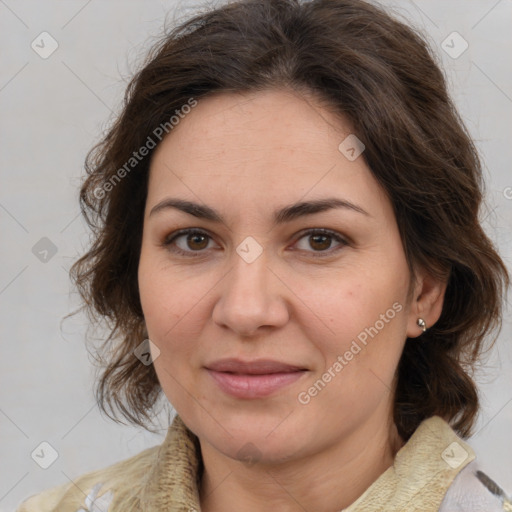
{"x": 426, "y": 301}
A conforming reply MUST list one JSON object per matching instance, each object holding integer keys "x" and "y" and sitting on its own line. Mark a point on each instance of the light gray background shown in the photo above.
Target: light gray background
{"x": 52, "y": 111}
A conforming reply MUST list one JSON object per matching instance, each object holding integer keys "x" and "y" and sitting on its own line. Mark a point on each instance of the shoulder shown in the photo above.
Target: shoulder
{"x": 96, "y": 490}
{"x": 473, "y": 490}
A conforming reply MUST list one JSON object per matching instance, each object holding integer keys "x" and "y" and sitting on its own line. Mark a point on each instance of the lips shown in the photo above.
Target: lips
{"x": 259, "y": 367}
{"x": 253, "y": 379}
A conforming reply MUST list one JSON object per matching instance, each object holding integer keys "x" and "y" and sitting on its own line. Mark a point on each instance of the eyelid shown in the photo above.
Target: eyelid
{"x": 338, "y": 237}
{"x": 324, "y": 231}
{"x": 169, "y": 240}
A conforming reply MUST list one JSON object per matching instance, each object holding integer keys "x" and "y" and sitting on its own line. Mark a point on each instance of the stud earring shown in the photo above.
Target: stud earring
{"x": 421, "y": 323}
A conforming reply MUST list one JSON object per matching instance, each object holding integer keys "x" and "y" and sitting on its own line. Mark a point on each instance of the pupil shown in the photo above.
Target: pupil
{"x": 325, "y": 238}
{"x": 194, "y": 238}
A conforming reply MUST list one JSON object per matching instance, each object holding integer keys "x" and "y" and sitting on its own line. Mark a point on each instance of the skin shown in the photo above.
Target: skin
{"x": 246, "y": 155}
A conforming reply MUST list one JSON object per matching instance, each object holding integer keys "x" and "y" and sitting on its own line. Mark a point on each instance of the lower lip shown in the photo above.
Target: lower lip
{"x": 253, "y": 386}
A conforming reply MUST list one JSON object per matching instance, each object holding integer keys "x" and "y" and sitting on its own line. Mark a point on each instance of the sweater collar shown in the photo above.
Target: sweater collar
{"x": 173, "y": 482}
{"x": 423, "y": 470}
{"x": 421, "y": 473}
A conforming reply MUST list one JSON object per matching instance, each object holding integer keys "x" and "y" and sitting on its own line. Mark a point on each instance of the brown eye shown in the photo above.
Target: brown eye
{"x": 191, "y": 242}
{"x": 320, "y": 240}
{"x": 196, "y": 241}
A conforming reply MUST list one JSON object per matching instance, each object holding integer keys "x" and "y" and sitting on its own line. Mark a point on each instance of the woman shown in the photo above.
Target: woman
{"x": 287, "y": 245}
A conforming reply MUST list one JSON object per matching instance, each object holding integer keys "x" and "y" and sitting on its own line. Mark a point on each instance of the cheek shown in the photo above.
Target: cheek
{"x": 355, "y": 377}
{"x": 354, "y": 304}
{"x": 166, "y": 295}
{"x": 173, "y": 304}
{"x": 364, "y": 317}
{"x": 169, "y": 310}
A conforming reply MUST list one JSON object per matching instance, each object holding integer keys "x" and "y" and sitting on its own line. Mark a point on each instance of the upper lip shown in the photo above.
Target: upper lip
{"x": 257, "y": 367}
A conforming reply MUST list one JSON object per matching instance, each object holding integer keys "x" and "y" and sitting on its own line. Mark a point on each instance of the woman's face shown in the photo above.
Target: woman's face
{"x": 275, "y": 340}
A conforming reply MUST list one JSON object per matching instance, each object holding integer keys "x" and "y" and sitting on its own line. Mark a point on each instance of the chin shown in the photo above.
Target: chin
{"x": 268, "y": 438}
{"x": 251, "y": 450}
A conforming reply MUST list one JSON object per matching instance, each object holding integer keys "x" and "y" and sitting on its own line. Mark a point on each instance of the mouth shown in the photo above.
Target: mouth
{"x": 253, "y": 379}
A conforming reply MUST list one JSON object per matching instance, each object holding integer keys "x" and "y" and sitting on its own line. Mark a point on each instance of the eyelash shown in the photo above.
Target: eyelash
{"x": 169, "y": 241}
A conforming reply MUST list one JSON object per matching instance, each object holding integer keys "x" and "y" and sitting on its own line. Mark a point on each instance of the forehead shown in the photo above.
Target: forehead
{"x": 244, "y": 123}
{"x": 257, "y": 148}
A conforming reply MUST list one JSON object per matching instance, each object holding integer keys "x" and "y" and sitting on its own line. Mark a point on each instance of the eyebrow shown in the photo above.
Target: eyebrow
{"x": 285, "y": 214}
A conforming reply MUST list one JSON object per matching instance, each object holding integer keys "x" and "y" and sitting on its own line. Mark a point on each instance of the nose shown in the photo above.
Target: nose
{"x": 251, "y": 298}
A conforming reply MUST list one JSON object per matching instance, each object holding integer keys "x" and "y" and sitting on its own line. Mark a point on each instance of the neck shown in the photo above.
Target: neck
{"x": 326, "y": 481}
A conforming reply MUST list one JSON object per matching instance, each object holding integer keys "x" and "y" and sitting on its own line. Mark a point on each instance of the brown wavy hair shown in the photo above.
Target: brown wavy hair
{"x": 379, "y": 73}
